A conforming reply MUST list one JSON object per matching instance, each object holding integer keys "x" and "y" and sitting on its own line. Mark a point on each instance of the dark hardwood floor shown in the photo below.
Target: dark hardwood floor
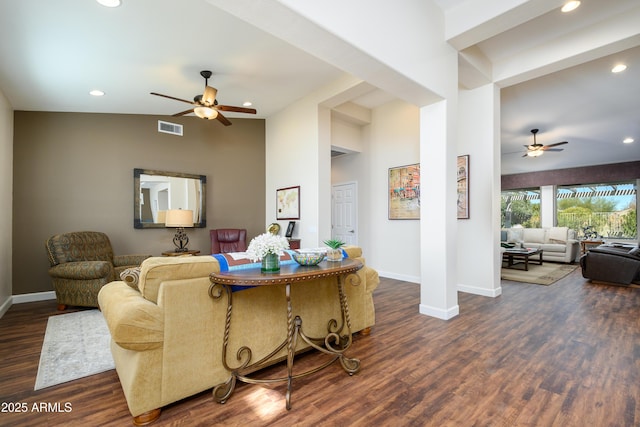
{"x": 561, "y": 355}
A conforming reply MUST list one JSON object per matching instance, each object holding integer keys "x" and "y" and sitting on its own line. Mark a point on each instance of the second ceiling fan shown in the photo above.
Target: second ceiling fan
{"x": 535, "y": 149}
{"x": 206, "y": 105}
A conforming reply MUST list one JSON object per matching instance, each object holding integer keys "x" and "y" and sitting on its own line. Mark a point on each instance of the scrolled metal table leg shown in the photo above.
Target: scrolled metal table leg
{"x": 291, "y": 343}
{"x": 221, "y": 392}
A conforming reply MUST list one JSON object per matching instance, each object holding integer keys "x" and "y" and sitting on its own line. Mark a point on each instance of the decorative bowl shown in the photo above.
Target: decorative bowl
{"x": 308, "y": 258}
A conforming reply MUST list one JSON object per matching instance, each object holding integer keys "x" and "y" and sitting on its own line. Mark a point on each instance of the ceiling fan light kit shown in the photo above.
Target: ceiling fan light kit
{"x": 206, "y": 105}
{"x": 536, "y": 150}
{"x": 209, "y": 96}
{"x": 206, "y": 113}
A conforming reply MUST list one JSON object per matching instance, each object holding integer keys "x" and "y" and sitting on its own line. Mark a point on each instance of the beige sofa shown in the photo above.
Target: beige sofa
{"x": 167, "y": 335}
{"x": 557, "y": 243}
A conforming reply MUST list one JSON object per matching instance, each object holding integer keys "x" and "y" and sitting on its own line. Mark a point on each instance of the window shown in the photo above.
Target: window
{"x": 608, "y": 210}
{"x": 520, "y": 207}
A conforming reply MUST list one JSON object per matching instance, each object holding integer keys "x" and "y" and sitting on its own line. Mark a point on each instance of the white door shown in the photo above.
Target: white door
{"x": 344, "y": 213}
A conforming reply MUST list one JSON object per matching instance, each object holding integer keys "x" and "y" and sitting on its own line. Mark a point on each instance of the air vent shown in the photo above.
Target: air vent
{"x": 172, "y": 128}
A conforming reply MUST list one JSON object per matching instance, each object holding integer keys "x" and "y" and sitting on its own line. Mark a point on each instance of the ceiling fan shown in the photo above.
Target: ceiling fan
{"x": 206, "y": 105}
{"x": 535, "y": 149}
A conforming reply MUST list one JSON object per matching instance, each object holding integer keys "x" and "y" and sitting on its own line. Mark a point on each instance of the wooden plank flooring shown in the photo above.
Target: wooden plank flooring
{"x": 561, "y": 355}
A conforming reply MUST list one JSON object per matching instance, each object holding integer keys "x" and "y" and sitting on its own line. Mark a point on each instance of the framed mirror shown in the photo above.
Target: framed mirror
{"x": 155, "y": 192}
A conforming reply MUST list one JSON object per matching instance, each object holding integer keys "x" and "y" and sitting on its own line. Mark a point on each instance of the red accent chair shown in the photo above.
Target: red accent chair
{"x": 225, "y": 240}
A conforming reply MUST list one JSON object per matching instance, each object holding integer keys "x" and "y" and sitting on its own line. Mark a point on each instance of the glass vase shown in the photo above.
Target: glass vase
{"x": 270, "y": 263}
{"x": 334, "y": 254}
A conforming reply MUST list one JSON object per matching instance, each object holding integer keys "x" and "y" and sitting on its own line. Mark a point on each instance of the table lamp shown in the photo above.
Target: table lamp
{"x": 179, "y": 218}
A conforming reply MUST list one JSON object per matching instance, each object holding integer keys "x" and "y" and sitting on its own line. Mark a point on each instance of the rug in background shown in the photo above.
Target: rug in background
{"x": 75, "y": 345}
{"x": 545, "y": 274}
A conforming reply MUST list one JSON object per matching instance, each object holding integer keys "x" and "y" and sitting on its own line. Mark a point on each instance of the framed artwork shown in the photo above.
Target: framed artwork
{"x": 290, "y": 227}
{"x": 288, "y": 203}
{"x": 463, "y": 186}
{"x": 404, "y": 192}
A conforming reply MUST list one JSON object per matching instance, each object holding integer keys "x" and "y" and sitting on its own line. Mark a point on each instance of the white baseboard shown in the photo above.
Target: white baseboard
{"x": 37, "y": 296}
{"x": 396, "y": 276}
{"x": 6, "y": 305}
{"x": 439, "y": 313}
{"x": 22, "y": 298}
{"x": 480, "y": 291}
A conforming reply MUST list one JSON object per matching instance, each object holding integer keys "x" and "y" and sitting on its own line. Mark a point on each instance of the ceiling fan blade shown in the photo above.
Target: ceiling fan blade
{"x": 222, "y": 119}
{"x": 183, "y": 113}
{"x": 553, "y": 149}
{"x": 173, "y": 97}
{"x": 236, "y": 109}
{"x": 557, "y": 143}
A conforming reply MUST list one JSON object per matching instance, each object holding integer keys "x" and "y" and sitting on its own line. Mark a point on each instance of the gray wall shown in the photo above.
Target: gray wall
{"x": 573, "y": 176}
{"x": 74, "y": 172}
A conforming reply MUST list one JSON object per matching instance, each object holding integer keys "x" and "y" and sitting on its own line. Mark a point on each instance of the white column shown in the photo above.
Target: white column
{"x": 438, "y": 290}
{"x": 547, "y": 206}
{"x": 478, "y": 244}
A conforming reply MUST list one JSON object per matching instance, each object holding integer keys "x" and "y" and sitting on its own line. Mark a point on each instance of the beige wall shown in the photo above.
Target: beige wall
{"x": 74, "y": 171}
{"x": 6, "y": 181}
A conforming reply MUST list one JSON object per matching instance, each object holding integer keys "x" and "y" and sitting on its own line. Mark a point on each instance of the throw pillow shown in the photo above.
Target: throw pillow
{"x": 131, "y": 276}
{"x": 514, "y": 235}
{"x": 558, "y": 234}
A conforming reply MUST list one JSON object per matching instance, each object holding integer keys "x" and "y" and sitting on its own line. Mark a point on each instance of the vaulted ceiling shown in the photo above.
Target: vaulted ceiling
{"x": 553, "y": 68}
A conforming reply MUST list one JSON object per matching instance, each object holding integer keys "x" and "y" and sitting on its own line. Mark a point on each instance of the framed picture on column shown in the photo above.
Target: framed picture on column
{"x": 463, "y": 186}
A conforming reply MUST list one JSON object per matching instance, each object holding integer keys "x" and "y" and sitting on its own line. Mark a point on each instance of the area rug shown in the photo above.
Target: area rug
{"x": 545, "y": 274}
{"x": 75, "y": 345}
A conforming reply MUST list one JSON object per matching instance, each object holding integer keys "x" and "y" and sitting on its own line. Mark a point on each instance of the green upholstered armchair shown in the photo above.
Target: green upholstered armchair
{"x": 81, "y": 263}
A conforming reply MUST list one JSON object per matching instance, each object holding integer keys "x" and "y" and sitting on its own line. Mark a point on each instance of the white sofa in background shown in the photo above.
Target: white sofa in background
{"x": 557, "y": 243}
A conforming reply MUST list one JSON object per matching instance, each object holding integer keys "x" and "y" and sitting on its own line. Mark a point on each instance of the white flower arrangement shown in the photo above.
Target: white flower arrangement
{"x": 266, "y": 243}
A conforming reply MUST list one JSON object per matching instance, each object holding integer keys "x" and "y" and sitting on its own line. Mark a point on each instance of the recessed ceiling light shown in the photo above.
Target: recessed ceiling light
{"x": 627, "y": 140}
{"x": 570, "y": 5}
{"x": 96, "y": 92}
{"x": 247, "y": 104}
{"x": 619, "y": 68}
{"x": 110, "y": 3}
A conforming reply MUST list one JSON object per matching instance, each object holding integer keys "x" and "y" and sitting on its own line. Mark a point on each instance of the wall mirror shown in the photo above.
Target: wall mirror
{"x": 154, "y": 192}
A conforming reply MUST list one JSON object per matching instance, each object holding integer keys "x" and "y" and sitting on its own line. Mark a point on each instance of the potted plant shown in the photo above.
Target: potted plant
{"x": 334, "y": 253}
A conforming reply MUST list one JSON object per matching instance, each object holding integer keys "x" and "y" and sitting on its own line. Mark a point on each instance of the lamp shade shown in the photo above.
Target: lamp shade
{"x": 179, "y": 218}
{"x": 209, "y": 96}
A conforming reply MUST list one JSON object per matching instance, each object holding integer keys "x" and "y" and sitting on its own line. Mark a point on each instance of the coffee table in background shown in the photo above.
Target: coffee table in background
{"x": 514, "y": 257}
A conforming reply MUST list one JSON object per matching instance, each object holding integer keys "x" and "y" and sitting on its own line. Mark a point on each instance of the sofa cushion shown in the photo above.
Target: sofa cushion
{"x": 558, "y": 234}
{"x": 534, "y": 235}
{"x": 554, "y": 247}
{"x": 156, "y": 270}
